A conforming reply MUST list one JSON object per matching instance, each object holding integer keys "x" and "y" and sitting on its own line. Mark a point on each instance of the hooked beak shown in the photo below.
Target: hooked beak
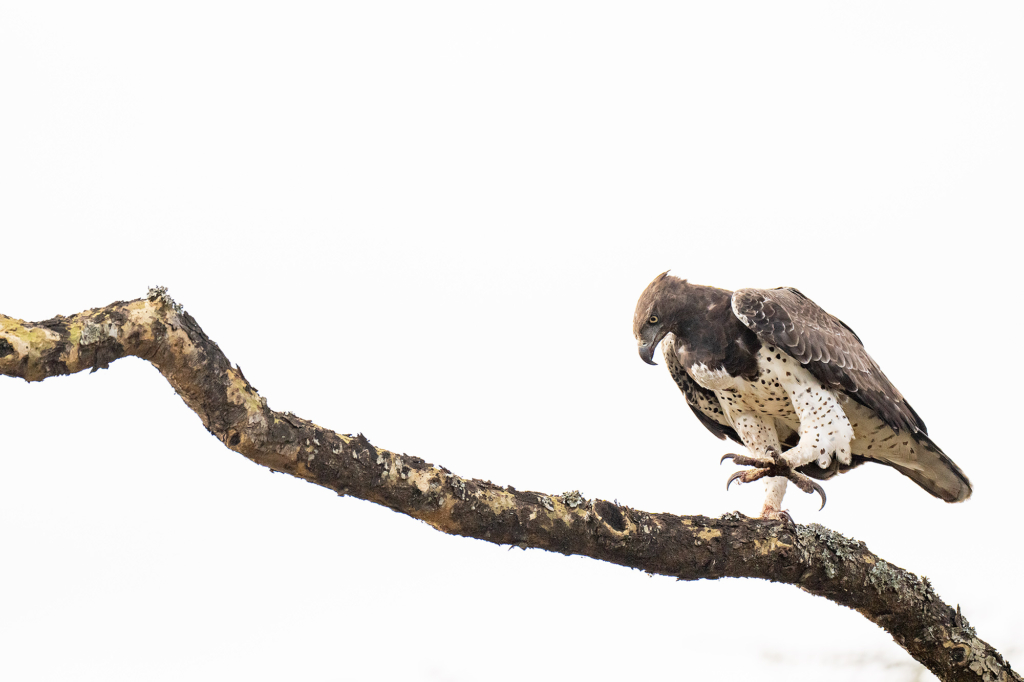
{"x": 646, "y": 350}
{"x": 646, "y": 344}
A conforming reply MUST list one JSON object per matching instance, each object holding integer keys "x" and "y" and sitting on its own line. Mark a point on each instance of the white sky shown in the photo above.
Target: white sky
{"x": 429, "y": 222}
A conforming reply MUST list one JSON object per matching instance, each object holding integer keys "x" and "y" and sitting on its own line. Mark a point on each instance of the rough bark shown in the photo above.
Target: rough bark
{"x": 813, "y": 558}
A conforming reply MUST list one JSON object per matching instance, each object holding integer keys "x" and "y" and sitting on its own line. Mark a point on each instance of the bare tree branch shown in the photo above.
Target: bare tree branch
{"x": 813, "y": 558}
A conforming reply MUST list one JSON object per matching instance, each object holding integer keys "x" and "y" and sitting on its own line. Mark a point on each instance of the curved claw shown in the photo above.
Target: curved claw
{"x": 773, "y": 466}
{"x": 821, "y": 491}
{"x": 732, "y": 478}
{"x": 808, "y": 486}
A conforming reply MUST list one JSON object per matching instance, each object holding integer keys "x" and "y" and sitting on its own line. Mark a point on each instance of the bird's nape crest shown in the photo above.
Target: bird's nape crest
{"x": 652, "y": 293}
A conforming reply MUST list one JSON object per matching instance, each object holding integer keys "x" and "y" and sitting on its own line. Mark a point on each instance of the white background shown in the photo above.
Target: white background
{"x": 430, "y": 222}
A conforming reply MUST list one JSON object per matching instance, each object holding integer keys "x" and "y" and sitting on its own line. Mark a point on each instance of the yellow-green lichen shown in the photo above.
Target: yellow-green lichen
{"x": 709, "y": 534}
{"x": 769, "y": 546}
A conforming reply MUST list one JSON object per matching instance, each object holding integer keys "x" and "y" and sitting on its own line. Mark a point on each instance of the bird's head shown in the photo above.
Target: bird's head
{"x": 654, "y": 313}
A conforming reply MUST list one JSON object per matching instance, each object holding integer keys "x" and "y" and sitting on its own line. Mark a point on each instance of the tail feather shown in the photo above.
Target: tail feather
{"x": 915, "y": 455}
{"x": 933, "y": 471}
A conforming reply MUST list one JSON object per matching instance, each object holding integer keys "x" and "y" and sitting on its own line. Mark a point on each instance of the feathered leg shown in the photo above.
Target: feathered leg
{"x": 759, "y": 436}
{"x": 775, "y": 489}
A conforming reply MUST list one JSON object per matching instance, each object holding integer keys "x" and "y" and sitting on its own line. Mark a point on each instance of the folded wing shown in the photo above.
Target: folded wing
{"x": 789, "y": 321}
{"x": 823, "y": 344}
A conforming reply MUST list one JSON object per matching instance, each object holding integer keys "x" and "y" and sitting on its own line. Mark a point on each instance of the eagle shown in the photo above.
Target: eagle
{"x": 774, "y": 372}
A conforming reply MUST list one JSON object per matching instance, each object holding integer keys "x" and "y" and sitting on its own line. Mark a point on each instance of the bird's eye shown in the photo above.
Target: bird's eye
{"x": 653, "y": 319}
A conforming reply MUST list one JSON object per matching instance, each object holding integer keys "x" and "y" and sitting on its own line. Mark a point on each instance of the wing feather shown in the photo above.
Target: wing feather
{"x": 827, "y": 347}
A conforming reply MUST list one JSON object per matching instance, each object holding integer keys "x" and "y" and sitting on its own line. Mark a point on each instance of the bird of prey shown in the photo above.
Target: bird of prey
{"x": 774, "y": 372}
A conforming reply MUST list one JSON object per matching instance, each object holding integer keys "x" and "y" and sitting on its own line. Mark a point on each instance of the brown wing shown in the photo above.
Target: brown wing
{"x": 829, "y": 349}
{"x": 702, "y": 401}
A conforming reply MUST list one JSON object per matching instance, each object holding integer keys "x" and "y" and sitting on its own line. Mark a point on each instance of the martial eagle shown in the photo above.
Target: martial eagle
{"x": 774, "y": 372}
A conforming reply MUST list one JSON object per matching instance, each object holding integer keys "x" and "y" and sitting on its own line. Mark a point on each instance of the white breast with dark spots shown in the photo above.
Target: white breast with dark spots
{"x": 786, "y": 396}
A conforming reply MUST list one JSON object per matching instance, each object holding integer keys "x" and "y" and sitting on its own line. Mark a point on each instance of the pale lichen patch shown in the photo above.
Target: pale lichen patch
{"x": 159, "y": 294}
{"x": 14, "y": 337}
{"x": 573, "y": 499}
{"x": 93, "y": 332}
{"x": 142, "y": 315}
{"x": 770, "y": 546}
{"x": 884, "y": 578}
{"x": 458, "y": 485}
{"x": 240, "y": 393}
{"x": 33, "y": 342}
{"x": 709, "y": 534}
{"x": 835, "y": 549}
{"x": 423, "y": 479}
{"x": 496, "y": 500}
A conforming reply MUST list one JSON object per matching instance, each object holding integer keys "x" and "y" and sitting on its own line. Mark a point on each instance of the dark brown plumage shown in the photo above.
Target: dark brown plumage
{"x": 719, "y": 349}
{"x": 827, "y": 347}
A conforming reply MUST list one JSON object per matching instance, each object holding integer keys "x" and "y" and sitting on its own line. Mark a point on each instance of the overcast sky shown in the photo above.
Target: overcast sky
{"x": 429, "y": 222}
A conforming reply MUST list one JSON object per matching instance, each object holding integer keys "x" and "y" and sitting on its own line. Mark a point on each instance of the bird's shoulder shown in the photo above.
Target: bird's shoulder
{"x": 826, "y": 346}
